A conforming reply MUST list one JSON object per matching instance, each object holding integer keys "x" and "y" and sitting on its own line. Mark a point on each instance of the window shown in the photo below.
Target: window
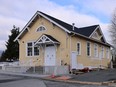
{"x": 107, "y": 53}
{"x": 78, "y": 48}
{"x": 32, "y": 50}
{"x": 102, "y": 52}
{"x": 29, "y": 49}
{"x": 88, "y": 49}
{"x": 41, "y": 28}
{"x": 95, "y": 50}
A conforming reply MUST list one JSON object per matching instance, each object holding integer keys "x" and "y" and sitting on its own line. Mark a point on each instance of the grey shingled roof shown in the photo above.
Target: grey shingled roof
{"x": 86, "y": 31}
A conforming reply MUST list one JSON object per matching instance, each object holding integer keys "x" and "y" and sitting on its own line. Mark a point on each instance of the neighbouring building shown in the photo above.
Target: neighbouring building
{"x": 47, "y": 41}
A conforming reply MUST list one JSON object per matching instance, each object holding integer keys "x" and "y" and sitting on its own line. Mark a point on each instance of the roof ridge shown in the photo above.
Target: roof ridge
{"x": 90, "y": 26}
{"x": 57, "y": 19}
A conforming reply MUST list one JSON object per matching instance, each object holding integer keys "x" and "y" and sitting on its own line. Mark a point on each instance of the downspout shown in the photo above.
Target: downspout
{"x": 71, "y": 44}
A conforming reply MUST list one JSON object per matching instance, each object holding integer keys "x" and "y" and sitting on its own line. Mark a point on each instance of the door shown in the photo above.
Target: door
{"x": 74, "y": 60}
{"x": 50, "y": 56}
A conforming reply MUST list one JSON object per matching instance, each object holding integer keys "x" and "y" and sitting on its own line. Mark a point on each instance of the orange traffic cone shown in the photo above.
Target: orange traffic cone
{"x": 52, "y": 75}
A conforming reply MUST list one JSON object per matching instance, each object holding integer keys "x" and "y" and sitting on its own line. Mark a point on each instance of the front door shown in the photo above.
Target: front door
{"x": 50, "y": 56}
{"x": 74, "y": 60}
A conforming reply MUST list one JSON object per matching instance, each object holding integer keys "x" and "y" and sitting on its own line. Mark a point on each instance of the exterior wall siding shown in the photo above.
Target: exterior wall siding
{"x": 90, "y": 60}
{"x": 63, "y": 51}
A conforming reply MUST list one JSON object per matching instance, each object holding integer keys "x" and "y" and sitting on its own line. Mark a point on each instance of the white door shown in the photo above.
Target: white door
{"x": 50, "y": 56}
{"x": 74, "y": 60}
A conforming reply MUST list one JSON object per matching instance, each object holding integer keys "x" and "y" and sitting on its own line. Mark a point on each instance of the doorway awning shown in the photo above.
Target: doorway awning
{"x": 46, "y": 39}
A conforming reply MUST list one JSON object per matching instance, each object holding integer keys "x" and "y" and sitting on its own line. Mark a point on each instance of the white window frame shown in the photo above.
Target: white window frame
{"x": 33, "y": 55}
{"x": 89, "y": 49}
{"x": 102, "y": 51}
{"x": 107, "y": 53}
{"x": 37, "y": 30}
{"x": 78, "y": 52}
{"x": 95, "y": 50}
{"x": 27, "y": 49}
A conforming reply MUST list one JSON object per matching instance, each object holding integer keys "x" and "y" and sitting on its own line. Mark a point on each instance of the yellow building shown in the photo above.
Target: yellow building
{"x": 47, "y": 41}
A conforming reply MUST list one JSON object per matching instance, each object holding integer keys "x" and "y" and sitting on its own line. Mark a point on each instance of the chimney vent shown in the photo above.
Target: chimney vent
{"x": 73, "y": 26}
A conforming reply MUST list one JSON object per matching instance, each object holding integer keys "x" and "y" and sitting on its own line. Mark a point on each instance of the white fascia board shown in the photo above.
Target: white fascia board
{"x": 45, "y": 18}
{"x": 54, "y": 22}
{"x": 26, "y": 26}
{"x": 94, "y": 31}
{"x": 89, "y": 38}
{"x": 100, "y": 32}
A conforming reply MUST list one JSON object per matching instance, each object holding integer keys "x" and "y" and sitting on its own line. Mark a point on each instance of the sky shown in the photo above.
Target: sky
{"x": 81, "y": 12}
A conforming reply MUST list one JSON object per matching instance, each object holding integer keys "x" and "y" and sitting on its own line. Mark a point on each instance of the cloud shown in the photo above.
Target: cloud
{"x": 6, "y": 24}
{"x": 105, "y": 7}
{"x": 19, "y": 14}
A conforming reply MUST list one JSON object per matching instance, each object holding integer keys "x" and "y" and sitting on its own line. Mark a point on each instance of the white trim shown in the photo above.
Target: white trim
{"x": 32, "y": 49}
{"x": 96, "y": 51}
{"x": 87, "y": 49}
{"x": 39, "y": 27}
{"x": 45, "y": 39}
{"x": 54, "y": 22}
{"x": 90, "y": 38}
{"x": 77, "y": 47}
{"x": 100, "y": 32}
{"x": 107, "y": 53}
{"x": 94, "y": 31}
{"x": 25, "y": 27}
{"x": 102, "y": 51}
{"x": 45, "y": 18}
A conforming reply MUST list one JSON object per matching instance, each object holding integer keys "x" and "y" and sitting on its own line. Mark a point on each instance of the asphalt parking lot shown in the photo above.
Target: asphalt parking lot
{"x": 97, "y": 76}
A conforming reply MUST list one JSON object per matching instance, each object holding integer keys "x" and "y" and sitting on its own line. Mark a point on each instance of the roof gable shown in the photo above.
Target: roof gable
{"x": 85, "y": 32}
{"x": 46, "y": 39}
{"x": 98, "y": 35}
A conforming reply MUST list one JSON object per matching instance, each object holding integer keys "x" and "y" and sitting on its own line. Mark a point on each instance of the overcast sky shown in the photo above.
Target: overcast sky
{"x": 80, "y": 12}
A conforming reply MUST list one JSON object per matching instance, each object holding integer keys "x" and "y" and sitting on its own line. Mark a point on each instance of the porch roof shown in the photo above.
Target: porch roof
{"x": 46, "y": 39}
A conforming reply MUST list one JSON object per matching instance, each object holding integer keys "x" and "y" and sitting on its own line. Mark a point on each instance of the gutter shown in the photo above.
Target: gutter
{"x": 91, "y": 39}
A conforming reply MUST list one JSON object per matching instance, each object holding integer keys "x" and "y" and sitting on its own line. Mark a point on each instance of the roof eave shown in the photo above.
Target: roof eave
{"x": 91, "y": 39}
{"x": 98, "y": 27}
{"x": 45, "y": 18}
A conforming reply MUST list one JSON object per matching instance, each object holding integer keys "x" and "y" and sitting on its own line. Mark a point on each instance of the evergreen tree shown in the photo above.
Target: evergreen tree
{"x": 12, "y": 48}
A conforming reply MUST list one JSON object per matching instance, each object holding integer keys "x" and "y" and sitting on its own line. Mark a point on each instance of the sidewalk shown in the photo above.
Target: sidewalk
{"x": 32, "y": 75}
{"x": 78, "y": 79}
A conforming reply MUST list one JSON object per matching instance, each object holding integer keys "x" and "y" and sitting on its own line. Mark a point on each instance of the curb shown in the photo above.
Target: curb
{"x": 108, "y": 83}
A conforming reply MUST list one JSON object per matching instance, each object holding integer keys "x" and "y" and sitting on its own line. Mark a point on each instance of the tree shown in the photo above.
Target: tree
{"x": 113, "y": 29}
{"x": 12, "y": 48}
{"x": 113, "y": 37}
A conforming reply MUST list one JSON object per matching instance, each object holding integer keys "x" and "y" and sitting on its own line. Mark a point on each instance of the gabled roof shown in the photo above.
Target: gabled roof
{"x": 46, "y": 39}
{"x": 85, "y": 32}
{"x": 64, "y": 24}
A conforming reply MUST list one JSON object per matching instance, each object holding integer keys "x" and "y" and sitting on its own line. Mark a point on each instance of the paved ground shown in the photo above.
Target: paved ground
{"x": 16, "y": 81}
{"x": 11, "y": 79}
{"x": 97, "y": 76}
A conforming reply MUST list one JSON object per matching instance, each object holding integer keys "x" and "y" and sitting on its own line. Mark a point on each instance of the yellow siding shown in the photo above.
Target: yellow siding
{"x": 59, "y": 34}
{"x": 89, "y": 60}
{"x": 67, "y": 44}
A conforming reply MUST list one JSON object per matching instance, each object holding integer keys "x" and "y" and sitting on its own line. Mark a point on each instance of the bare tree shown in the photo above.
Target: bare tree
{"x": 113, "y": 29}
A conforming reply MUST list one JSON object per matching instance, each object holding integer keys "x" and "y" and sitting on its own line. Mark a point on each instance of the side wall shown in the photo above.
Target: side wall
{"x": 90, "y": 61}
{"x": 62, "y": 50}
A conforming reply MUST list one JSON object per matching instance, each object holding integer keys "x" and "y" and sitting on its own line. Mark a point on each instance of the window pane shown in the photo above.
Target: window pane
{"x": 29, "y": 44}
{"x": 29, "y": 49}
{"x": 41, "y": 28}
{"x": 88, "y": 49}
{"x": 29, "y": 52}
{"x": 36, "y": 51}
{"x": 78, "y": 48}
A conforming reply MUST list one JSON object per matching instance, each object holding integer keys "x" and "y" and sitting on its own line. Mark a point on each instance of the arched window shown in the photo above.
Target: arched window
{"x": 41, "y": 28}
